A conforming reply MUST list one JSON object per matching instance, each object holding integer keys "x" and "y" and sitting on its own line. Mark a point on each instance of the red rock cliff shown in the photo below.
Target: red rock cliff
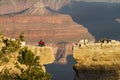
{"x": 39, "y": 23}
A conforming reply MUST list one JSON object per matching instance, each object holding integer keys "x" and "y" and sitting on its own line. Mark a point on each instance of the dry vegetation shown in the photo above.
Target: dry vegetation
{"x": 94, "y": 63}
{"x": 8, "y": 60}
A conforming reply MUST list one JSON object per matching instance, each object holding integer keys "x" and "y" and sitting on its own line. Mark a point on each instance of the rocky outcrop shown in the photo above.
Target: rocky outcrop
{"x": 7, "y": 6}
{"x": 56, "y": 4}
{"x": 46, "y": 53}
{"x": 94, "y": 63}
{"x": 37, "y": 9}
{"x": 39, "y": 23}
{"x": 46, "y": 57}
{"x": 10, "y": 6}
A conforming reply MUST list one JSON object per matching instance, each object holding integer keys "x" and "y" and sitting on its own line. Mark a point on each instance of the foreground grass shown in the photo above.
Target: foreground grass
{"x": 94, "y": 63}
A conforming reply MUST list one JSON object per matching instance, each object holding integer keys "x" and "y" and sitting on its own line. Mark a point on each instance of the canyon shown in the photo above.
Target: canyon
{"x": 97, "y": 16}
{"x": 37, "y": 22}
{"x": 7, "y": 5}
{"x": 73, "y": 21}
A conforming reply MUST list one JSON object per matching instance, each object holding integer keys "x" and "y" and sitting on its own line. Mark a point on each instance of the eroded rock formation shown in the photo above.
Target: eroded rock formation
{"x": 17, "y": 5}
{"x": 7, "y": 6}
{"x": 39, "y": 23}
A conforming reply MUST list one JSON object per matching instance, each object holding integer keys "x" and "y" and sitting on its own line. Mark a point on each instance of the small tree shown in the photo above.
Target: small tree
{"x": 10, "y": 45}
{"x": 34, "y": 70}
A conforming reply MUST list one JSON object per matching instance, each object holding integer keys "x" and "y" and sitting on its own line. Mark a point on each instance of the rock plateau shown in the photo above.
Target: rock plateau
{"x": 96, "y": 63}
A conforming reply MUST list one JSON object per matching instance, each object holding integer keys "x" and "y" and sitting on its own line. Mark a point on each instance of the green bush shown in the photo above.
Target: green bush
{"x": 26, "y": 57}
{"x": 34, "y": 70}
{"x": 10, "y": 45}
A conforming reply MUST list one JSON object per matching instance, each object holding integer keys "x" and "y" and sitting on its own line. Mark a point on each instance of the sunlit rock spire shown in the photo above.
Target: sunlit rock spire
{"x": 37, "y": 9}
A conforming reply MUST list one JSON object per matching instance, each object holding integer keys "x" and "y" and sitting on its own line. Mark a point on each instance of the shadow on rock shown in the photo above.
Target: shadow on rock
{"x": 61, "y": 71}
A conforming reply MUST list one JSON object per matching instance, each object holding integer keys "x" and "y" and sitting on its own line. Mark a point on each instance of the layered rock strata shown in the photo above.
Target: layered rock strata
{"x": 39, "y": 23}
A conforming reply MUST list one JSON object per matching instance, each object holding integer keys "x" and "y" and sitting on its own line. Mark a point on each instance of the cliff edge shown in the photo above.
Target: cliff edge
{"x": 45, "y": 53}
{"x": 94, "y": 63}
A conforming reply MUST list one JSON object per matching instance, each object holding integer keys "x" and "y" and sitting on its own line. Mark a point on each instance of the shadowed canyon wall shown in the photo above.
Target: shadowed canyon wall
{"x": 37, "y": 22}
{"x": 97, "y": 17}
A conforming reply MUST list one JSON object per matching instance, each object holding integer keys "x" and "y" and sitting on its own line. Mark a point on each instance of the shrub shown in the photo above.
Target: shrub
{"x": 5, "y": 75}
{"x": 34, "y": 70}
{"x": 10, "y": 45}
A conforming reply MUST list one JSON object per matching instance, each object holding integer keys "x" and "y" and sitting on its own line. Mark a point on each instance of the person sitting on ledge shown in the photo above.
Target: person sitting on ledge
{"x": 41, "y": 43}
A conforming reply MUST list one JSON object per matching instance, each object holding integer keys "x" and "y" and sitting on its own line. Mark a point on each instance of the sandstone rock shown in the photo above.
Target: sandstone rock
{"x": 6, "y": 6}
{"x": 37, "y": 23}
{"x": 37, "y": 9}
{"x": 46, "y": 57}
{"x": 56, "y": 4}
{"x": 46, "y": 54}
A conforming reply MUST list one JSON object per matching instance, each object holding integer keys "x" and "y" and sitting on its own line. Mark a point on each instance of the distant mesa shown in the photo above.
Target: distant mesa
{"x": 37, "y": 22}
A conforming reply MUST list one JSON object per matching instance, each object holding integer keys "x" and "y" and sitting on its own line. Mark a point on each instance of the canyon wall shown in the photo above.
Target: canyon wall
{"x": 96, "y": 63}
{"x": 54, "y": 28}
{"x": 37, "y": 22}
{"x": 8, "y": 6}
{"x": 18, "y": 5}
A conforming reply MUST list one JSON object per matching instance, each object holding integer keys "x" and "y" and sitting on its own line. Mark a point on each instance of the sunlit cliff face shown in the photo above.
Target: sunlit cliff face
{"x": 96, "y": 15}
{"x": 17, "y": 5}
